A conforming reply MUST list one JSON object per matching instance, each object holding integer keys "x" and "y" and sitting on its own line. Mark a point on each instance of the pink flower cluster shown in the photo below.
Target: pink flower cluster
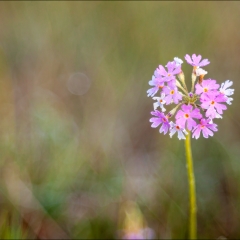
{"x": 195, "y": 110}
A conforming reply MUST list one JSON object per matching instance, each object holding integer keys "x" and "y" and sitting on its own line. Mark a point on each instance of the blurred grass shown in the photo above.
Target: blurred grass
{"x": 68, "y": 161}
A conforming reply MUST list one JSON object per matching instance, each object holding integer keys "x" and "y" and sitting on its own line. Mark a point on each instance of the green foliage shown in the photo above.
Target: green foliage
{"x": 11, "y": 227}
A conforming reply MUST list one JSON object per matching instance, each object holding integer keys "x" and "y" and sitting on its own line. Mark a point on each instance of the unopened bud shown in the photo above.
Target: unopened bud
{"x": 200, "y": 73}
{"x": 181, "y": 77}
{"x": 200, "y": 79}
{"x": 172, "y": 112}
{"x": 194, "y": 77}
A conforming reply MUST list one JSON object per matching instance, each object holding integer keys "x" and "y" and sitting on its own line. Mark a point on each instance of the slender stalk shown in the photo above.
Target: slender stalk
{"x": 180, "y": 86}
{"x": 192, "y": 191}
{"x": 194, "y": 77}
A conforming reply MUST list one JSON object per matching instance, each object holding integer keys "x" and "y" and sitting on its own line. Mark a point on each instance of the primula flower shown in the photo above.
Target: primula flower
{"x": 160, "y": 102}
{"x": 212, "y": 102}
{"x": 186, "y": 115}
{"x": 206, "y": 127}
{"x": 180, "y": 130}
{"x": 227, "y": 92}
{"x": 161, "y": 76}
{"x": 172, "y": 95}
{"x": 197, "y": 109}
{"x": 160, "y": 119}
{"x": 195, "y": 61}
{"x": 206, "y": 86}
{"x": 172, "y": 70}
{"x": 158, "y": 83}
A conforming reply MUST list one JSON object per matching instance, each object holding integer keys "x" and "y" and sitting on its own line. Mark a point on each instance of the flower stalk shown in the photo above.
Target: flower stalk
{"x": 192, "y": 190}
{"x": 199, "y": 108}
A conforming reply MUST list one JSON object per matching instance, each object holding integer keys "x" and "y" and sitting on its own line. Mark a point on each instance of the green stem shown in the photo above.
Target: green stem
{"x": 192, "y": 191}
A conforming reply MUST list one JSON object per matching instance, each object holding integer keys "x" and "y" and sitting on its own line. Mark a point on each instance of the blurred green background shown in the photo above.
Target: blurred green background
{"x": 75, "y": 138}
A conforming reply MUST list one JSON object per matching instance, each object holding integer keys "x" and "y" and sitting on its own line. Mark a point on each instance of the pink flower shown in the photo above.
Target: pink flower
{"x": 158, "y": 83}
{"x": 172, "y": 95}
{"x": 187, "y": 115}
{"x": 172, "y": 83}
{"x": 160, "y": 119}
{"x": 172, "y": 70}
{"x": 212, "y": 102}
{"x": 206, "y": 86}
{"x": 206, "y": 102}
{"x": 206, "y": 126}
{"x": 195, "y": 61}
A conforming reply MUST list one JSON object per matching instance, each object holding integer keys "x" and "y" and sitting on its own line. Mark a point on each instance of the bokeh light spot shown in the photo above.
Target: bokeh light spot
{"x": 78, "y": 83}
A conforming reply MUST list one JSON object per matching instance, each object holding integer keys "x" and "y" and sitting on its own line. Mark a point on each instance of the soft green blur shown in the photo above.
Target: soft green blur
{"x": 75, "y": 138}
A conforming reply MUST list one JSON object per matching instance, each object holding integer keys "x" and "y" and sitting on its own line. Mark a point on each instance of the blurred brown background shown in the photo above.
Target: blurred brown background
{"x": 75, "y": 137}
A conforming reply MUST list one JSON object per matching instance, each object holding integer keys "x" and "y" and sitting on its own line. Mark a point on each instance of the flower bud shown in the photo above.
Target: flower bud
{"x": 200, "y": 73}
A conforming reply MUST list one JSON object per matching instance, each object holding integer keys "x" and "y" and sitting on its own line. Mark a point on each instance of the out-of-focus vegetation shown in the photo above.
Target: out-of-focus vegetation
{"x": 75, "y": 139}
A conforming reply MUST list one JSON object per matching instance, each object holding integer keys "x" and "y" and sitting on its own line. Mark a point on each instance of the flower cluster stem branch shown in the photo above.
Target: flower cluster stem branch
{"x": 184, "y": 89}
{"x": 185, "y": 86}
{"x": 192, "y": 191}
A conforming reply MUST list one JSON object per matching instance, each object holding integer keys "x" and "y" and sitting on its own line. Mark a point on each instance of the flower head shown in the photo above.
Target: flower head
{"x": 195, "y": 110}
